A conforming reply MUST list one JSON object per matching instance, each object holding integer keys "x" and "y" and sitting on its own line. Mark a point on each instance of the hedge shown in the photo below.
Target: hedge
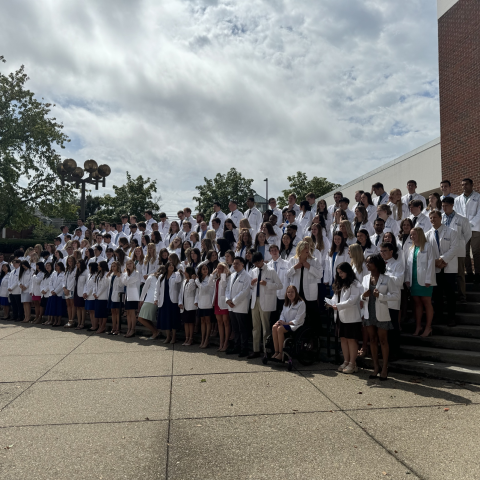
{"x": 9, "y": 245}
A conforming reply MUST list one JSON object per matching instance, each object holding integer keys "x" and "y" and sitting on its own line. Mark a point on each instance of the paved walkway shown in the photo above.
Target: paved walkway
{"x": 79, "y": 406}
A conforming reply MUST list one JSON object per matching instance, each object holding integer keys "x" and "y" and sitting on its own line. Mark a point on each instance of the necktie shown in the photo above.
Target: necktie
{"x": 377, "y": 240}
{"x": 275, "y": 265}
{"x": 235, "y": 279}
{"x": 258, "y": 282}
{"x": 410, "y": 198}
{"x": 123, "y": 228}
{"x": 249, "y": 212}
{"x": 437, "y": 238}
{"x": 414, "y": 221}
{"x": 216, "y": 215}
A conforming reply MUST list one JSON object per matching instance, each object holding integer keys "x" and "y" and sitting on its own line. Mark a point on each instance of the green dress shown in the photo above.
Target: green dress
{"x": 417, "y": 290}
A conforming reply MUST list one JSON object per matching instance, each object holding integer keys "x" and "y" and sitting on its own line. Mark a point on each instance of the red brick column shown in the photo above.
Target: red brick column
{"x": 459, "y": 69}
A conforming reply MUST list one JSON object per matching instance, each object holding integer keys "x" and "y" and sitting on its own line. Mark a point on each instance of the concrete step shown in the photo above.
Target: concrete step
{"x": 466, "y": 331}
{"x": 445, "y": 371}
{"x": 473, "y": 296}
{"x": 441, "y": 355}
{"x": 468, "y": 307}
{"x": 471, "y": 287}
{"x": 443, "y": 341}
{"x": 468, "y": 319}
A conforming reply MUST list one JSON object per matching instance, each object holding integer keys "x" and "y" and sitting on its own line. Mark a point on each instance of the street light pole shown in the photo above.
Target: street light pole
{"x": 266, "y": 193}
{"x": 69, "y": 172}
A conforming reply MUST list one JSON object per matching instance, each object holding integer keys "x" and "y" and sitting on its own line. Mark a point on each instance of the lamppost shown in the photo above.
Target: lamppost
{"x": 69, "y": 172}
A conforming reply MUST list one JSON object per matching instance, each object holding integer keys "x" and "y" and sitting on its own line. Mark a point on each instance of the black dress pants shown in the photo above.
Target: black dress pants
{"x": 17, "y": 310}
{"x": 445, "y": 288}
{"x": 239, "y": 322}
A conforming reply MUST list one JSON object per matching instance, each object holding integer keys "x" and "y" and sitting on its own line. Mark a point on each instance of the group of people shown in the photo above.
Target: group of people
{"x": 255, "y": 274}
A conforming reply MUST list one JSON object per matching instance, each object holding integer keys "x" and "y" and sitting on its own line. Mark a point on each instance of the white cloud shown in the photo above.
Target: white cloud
{"x": 178, "y": 90}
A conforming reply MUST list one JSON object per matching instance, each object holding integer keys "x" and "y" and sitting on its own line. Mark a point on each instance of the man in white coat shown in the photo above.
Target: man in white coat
{"x": 264, "y": 285}
{"x": 280, "y": 265}
{"x": 217, "y": 213}
{"x": 413, "y": 195}
{"x": 418, "y": 218}
{"x": 237, "y": 297}
{"x": 276, "y": 211}
{"x": 235, "y": 214}
{"x": 253, "y": 215}
{"x": 461, "y": 225}
{"x": 163, "y": 224}
{"x": 444, "y": 241}
{"x": 468, "y": 205}
{"x": 149, "y": 220}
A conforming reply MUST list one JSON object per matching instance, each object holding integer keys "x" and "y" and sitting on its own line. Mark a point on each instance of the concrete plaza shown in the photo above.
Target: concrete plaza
{"x": 80, "y": 406}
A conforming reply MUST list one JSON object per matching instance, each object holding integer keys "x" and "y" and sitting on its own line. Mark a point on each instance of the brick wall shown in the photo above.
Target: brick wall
{"x": 459, "y": 68}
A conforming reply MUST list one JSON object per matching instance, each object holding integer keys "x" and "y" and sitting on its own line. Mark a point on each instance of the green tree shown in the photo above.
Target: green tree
{"x": 28, "y": 158}
{"x": 223, "y": 188}
{"x": 301, "y": 186}
{"x": 133, "y": 198}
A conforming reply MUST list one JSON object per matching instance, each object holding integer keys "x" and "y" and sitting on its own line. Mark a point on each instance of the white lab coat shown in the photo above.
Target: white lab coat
{"x": 117, "y": 288}
{"x": 235, "y": 216}
{"x": 100, "y": 288}
{"x": 360, "y": 274}
{"x": 422, "y": 221}
{"x": 57, "y": 283}
{"x": 268, "y": 292}
{"x": 205, "y": 293}
{"x": 331, "y": 267}
{"x": 4, "y": 285}
{"x": 89, "y": 287}
{"x": 310, "y": 277}
{"x": 80, "y": 282}
{"x": 163, "y": 228}
{"x": 365, "y": 226}
{"x": 425, "y": 266}
{"x": 282, "y": 269}
{"x": 149, "y": 268}
{"x": 148, "y": 291}
{"x": 36, "y": 283}
{"x": 133, "y": 286}
{"x": 173, "y": 285}
{"x": 462, "y": 226}
{"x": 70, "y": 280}
{"x": 388, "y": 292}
{"x": 396, "y": 270}
{"x": 222, "y": 287}
{"x": 349, "y": 304}
{"x": 45, "y": 286}
{"x": 392, "y": 226}
{"x": 219, "y": 215}
{"x": 188, "y": 295}
{"x": 448, "y": 247}
{"x": 238, "y": 291}
{"x": 415, "y": 196}
{"x": 294, "y": 313}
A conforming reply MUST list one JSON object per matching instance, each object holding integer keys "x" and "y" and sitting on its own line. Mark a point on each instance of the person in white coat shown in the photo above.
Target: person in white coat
{"x": 292, "y": 317}
{"x": 115, "y": 290}
{"x": 338, "y": 254}
{"x": 188, "y": 303}
{"x": 100, "y": 293}
{"x": 385, "y": 213}
{"x": 346, "y": 304}
{"x": 468, "y": 205}
{"x": 55, "y": 303}
{"x": 88, "y": 295}
{"x": 378, "y": 290}
{"x": 131, "y": 279}
{"x": 420, "y": 278}
{"x": 418, "y": 218}
{"x": 253, "y": 215}
{"x": 37, "y": 278}
{"x": 235, "y": 214}
{"x": 281, "y": 267}
{"x": 264, "y": 285}
{"x": 24, "y": 281}
{"x": 357, "y": 261}
{"x": 444, "y": 241}
{"x": 81, "y": 276}
{"x": 4, "y": 301}
{"x": 69, "y": 290}
{"x": 218, "y": 280}
{"x": 304, "y": 272}
{"x": 361, "y": 221}
{"x": 148, "y": 310}
{"x": 166, "y": 298}
{"x": 461, "y": 225}
{"x": 237, "y": 297}
{"x": 205, "y": 302}
{"x": 413, "y": 195}
{"x": 217, "y": 213}
{"x": 45, "y": 289}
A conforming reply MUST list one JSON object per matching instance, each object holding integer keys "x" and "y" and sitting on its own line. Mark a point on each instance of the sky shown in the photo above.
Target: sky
{"x": 179, "y": 90}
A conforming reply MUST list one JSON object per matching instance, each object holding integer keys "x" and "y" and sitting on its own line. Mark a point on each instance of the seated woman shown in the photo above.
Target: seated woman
{"x": 292, "y": 317}
{"x": 346, "y": 302}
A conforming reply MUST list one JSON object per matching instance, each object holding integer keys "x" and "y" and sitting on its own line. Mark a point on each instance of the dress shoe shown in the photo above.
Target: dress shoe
{"x": 253, "y": 355}
{"x": 243, "y": 353}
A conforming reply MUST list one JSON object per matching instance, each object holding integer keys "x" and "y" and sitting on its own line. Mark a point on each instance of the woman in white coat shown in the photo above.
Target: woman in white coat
{"x": 45, "y": 289}
{"x": 88, "y": 295}
{"x": 166, "y": 298}
{"x": 337, "y": 255}
{"x": 115, "y": 290}
{"x": 205, "y": 302}
{"x": 363, "y": 239}
{"x": 385, "y": 213}
{"x": 25, "y": 280}
{"x": 292, "y": 317}
{"x": 148, "y": 309}
{"x": 69, "y": 290}
{"x": 188, "y": 303}
{"x": 150, "y": 263}
{"x": 131, "y": 279}
{"x": 420, "y": 278}
{"x": 378, "y": 290}
{"x": 4, "y": 302}
{"x": 55, "y": 303}
{"x": 304, "y": 272}
{"x": 218, "y": 280}
{"x": 346, "y": 303}
{"x": 100, "y": 293}
{"x": 361, "y": 221}
{"x": 36, "y": 291}
{"x": 81, "y": 276}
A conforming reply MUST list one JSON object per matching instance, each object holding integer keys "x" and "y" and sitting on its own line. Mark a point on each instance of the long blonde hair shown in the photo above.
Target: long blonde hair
{"x": 301, "y": 246}
{"x": 244, "y": 223}
{"x": 348, "y": 228}
{"x": 399, "y": 204}
{"x": 151, "y": 254}
{"x": 421, "y": 238}
{"x": 226, "y": 268}
{"x": 357, "y": 258}
{"x": 311, "y": 243}
{"x": 211, "y": 235}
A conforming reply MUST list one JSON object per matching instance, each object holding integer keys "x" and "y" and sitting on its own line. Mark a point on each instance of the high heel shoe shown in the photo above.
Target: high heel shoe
{"x": 429, "y": 334}
{"x": 384, "y": 379}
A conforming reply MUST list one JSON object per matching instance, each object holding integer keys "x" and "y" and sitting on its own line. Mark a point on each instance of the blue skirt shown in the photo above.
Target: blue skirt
{"x": 89, "y": 304}
{"x": 111, "y": 304}
{"x": 4, "y": 301}
{"x": 101, "y": 309}
{"x": 168, "y": 315}
{"x": 54, "y": 306}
